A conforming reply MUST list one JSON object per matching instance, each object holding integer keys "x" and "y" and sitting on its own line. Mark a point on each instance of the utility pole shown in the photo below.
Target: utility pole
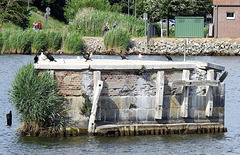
{"x": 135, "y": 8}
{"x": 28, "y": 6}
{"x": 128, "y": 8}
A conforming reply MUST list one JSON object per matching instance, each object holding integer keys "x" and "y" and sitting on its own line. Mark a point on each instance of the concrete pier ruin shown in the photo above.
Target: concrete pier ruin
{"x": 138, "y": 97}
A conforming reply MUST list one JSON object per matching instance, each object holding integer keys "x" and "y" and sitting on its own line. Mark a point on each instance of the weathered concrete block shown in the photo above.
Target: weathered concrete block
{"x": 133, "y": 115}
{"x": 150, "y": 115}
{"x": 124, "y": 115}
{"x": 141, "y": 115}
{"x": 174, "y": 113}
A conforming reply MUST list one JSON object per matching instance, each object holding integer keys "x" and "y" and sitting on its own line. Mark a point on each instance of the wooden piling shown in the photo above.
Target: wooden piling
{"x": 9, "y": 118}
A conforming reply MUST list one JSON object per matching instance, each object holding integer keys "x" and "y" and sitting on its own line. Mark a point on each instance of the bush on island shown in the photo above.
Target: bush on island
{"x": 36, "y": 99}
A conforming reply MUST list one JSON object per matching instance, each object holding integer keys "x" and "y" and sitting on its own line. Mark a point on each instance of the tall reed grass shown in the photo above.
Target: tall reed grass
{"x": 30, "y": 42}
{"x": 1, "y": 41}
{"x": 36, "y": 99}
{"x": 90, "y": 22}
{"x": 73, "y": 42}
{"x": 117, "y": 39}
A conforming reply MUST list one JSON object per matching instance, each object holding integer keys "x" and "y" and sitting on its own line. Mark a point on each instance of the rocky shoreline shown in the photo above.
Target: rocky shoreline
{"x": 161, "y": 46}
{"x": 173, "y": 46}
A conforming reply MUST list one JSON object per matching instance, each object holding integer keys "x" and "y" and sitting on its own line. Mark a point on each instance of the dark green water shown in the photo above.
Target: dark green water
{"x": 227, "y": 143}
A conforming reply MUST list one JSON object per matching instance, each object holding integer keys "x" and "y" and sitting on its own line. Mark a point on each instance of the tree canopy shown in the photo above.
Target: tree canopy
{"x": 14, "y": 11}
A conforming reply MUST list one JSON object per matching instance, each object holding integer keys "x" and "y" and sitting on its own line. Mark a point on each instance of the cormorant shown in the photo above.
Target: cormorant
{"x": 9, "y": 118}
{"x": 88, "y": 56}
{"x": 50, "y": 57}
{"x": 122, "y": 55}
{"x": 168, "y": 57}
{"x": 36, "y": 58}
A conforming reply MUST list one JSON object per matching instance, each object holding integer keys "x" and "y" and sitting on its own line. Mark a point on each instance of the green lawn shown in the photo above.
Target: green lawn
{"x": 53, "y": 23}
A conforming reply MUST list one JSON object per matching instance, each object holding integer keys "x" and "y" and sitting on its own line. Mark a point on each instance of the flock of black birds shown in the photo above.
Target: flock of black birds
{"x": 86, "y": 56}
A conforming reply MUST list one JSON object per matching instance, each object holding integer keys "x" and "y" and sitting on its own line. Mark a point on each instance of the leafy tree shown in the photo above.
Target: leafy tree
{"x": 14, "y": 11}
{"x": 158, "y": 9}
{"x": 202, "y": 8}
{"x": 55, "y": 5}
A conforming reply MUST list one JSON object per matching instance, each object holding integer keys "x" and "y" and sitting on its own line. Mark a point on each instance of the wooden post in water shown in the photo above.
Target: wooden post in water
{"x": 209, "y": 108}
{"x": 9, "y": 118}
{"x": 159, "y": 95}
{"x": 98, "y": 88}
{"x": 184, "y": 107}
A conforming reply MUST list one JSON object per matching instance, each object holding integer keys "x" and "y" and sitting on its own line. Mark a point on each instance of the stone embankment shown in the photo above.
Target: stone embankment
{"x": 173, "y": 46}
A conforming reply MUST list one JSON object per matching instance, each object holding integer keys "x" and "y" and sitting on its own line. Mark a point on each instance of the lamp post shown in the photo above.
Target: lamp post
{"x": 128, "y": 8}
{"x": 47, "y": 13}
{"x": 135, "y": 8}
{"x": 28, "y": 6}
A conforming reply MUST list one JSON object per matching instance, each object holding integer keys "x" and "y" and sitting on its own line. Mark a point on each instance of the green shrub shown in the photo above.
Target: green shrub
{"x": 171, "y": 33}
{"x": 1, "y": 41}
{"x": 54, "y": 40}
{"x": 6, "y": 42}
{"x": 25, "y": 39}
{"x": 39, "y": 41}
{"x": 20, "y": 41}
{"x": 36, "y": 99}
{"x": 33, "y": 8}
{"x": 90, "y": 22}
{"x": 87, "y": 106}
{"x": 117, "y": 38}
{"x": 74, "y": 42}
{"x": 206, "y": 30}
{"x": 157, "y": 29}
{"x": 72, "y": 6}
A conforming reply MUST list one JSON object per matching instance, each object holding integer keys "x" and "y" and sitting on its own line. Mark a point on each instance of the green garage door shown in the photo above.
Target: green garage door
{"x": 189, "y": 27}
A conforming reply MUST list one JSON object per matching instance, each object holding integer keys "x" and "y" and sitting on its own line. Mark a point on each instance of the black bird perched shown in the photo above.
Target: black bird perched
{"x": 50, "y": 57}
{"x": 168, "y": 57}
{"x": 87, "y": 56}
{"x": 36, "y": 58}
{"x": 122, "y": 55}
{"x": 9, "y": 118}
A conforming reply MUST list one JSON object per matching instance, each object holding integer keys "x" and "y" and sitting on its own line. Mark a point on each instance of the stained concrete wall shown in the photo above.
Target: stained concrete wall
{"x": 129, "y": 96}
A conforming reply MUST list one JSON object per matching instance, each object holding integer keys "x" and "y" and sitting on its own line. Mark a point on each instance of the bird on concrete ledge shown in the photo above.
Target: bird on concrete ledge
{"x": 168, "y": 57}
{"x": 87, "y": 56}
{"x": 36, "y": 58}
{"x": 49, "y": 56}
{"x": 122, "y": 55}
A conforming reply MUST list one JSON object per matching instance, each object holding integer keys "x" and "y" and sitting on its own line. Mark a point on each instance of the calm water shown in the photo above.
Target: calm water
{"x": 227, "y": 143}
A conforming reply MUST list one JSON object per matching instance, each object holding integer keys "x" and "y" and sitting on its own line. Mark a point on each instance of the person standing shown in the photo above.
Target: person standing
{"x": 35, "y": 25}
{"x": 39, "y": 25}
{"x": 106, "y": 28}
{"x": 115, "y": 25}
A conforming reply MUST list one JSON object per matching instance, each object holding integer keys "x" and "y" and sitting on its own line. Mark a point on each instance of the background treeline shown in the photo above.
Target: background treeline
{"x": 65, "y": 10}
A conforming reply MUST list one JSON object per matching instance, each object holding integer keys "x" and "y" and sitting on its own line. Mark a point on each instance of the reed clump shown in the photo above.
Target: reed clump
{"x": 36, "y": 99}
{"x": 73, "y": 42}
{"x": 17, "y": 41}
{"x": 117, "y": 39}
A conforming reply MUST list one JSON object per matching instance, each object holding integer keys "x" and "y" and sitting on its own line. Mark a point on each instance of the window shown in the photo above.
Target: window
{"x": 230, "y": 15}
